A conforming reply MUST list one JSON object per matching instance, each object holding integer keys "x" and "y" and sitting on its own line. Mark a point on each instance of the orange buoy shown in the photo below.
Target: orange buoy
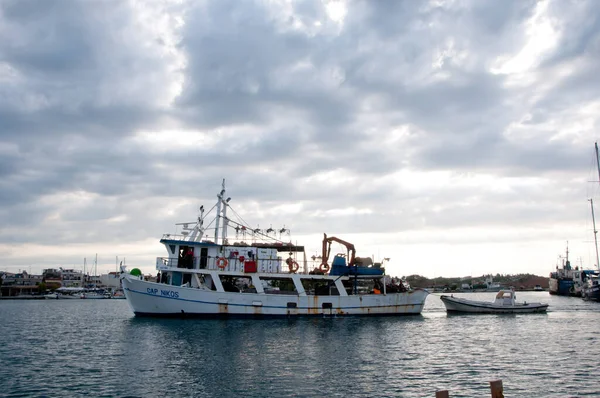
{"x": 222, "y": 262}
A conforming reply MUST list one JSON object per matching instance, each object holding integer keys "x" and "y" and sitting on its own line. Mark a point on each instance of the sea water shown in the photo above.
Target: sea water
{"x": 97, "y": 348}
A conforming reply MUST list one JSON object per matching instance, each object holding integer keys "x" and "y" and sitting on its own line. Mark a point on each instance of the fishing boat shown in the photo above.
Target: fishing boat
{"x": 262, "y": 274}
{"x": 504, "y": 303}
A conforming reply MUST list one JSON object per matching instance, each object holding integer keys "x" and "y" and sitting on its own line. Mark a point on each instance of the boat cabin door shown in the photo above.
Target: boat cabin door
{"x": 186, "y": 257}
{"x": 203, "y": 257}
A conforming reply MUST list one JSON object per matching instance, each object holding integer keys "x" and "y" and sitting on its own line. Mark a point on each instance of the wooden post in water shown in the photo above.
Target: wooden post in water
{"x": 497, "y": 390}
{"x": 442, "y": 394}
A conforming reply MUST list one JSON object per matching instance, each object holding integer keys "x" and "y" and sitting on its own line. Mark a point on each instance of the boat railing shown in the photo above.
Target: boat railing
{"x": 175, "y": 237}
{"x": 262, "y": 265}
{"x": 267, "y": 265}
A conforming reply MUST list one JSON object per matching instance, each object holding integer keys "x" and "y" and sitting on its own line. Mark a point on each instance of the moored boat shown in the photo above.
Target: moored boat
{"x": 492, "y": 286}
{"x": 591, "y": 285}
{"x": 561, "y": 281}
{"x": 504, "y": 303}
{"x": 216, "y": 278}
{"x": 94, "y": 294}
{"x": 60, "y": 296}
{"x": 591, "y": 288}
{"x": 590, "y": 280}
{"x": 63, "y": 293}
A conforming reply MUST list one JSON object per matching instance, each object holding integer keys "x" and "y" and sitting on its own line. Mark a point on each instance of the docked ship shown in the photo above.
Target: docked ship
{"x": 214, "y": 278}
{"x": 561, "y": 281}
{"x": 492, "y": 286}
{"x": 591, "y": 288}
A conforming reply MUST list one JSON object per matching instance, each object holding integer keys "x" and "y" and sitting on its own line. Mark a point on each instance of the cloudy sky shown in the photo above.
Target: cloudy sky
{"x": 455, "y": 137}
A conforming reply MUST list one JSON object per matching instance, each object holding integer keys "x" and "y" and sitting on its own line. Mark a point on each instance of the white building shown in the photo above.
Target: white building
{"x": 71, "y": 278}
{"x": 110, "y": 280}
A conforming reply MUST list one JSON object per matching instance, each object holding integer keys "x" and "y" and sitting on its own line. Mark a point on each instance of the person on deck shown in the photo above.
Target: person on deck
{"x": 377, "y": 288}
{"x": 189, "y": 258}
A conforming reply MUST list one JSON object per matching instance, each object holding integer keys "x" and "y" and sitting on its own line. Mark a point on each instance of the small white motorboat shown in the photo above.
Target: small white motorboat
{"x": 505, "y": 303}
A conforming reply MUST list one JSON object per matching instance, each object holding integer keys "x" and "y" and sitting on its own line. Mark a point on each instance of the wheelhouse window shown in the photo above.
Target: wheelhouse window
{"x": 279, "y": 286}
{"x": 363, "y": 286}
{"x": 238, "y": 284}
{"x": 319, "y": 287}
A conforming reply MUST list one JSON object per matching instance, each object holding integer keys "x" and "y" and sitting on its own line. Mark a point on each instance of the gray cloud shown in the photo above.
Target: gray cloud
{"x": 118, "y": 119}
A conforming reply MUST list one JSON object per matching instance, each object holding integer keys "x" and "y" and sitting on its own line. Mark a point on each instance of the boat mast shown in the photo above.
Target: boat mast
{"x": 218, "y": 218}
{"x": 592, "y": 205}
{"x": 223, "y": 210}
{"x": 597, "y": 160}
{"x": 198, "y": 231}
{"x": 595, "y": 233}
{"x": 96, "y": 271}
{"x": 225, "y": 219}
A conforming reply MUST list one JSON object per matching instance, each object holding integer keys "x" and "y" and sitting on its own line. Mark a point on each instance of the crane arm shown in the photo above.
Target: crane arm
{"x": 327, "y": 248}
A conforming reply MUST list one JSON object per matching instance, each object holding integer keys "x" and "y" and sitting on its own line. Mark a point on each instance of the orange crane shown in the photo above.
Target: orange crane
{"x": 327, "y": 249}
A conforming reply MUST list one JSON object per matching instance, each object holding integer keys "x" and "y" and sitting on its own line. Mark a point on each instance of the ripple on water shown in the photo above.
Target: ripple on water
{"x": 97, "y": 348}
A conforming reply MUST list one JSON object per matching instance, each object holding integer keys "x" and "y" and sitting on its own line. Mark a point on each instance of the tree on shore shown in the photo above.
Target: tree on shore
{"x": 477, "y": 282}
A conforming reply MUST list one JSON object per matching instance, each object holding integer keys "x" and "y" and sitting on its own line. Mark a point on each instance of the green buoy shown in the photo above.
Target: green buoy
{"x": 136, "y": 272}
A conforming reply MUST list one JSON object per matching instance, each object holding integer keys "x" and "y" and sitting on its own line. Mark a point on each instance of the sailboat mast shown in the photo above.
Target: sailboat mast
{"x": 592, "y": 204}
{"x": 595, "y": 233}
{"x": 597, "y": 160}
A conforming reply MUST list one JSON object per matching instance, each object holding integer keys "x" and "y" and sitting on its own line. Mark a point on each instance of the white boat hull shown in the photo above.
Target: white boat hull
{"x": 455, "y": 304}
{"x": 154, "y": 299}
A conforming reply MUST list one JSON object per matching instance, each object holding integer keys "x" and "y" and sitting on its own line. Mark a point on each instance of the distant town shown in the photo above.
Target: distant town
{"x": 480, "y": 283}
{"x": 24, "y": 284}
